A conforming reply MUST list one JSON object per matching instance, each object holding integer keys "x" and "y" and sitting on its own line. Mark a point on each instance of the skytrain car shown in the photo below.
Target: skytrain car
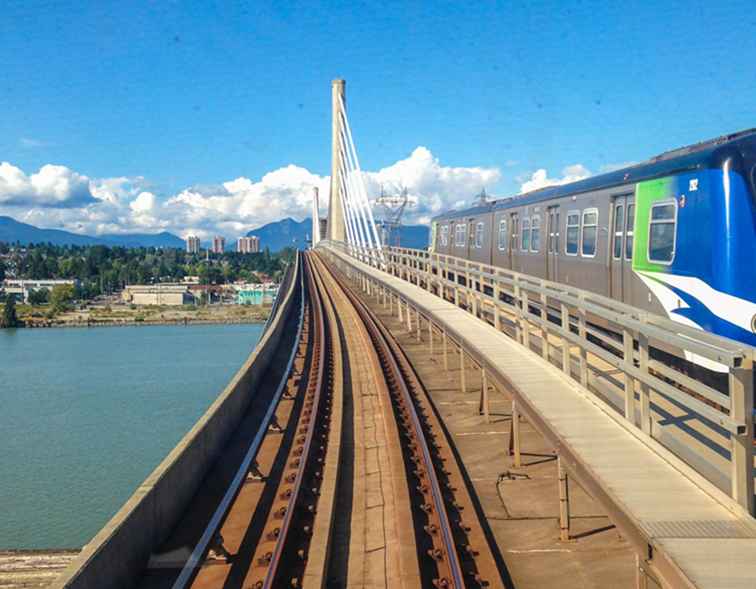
{"x": 675, "y": 235}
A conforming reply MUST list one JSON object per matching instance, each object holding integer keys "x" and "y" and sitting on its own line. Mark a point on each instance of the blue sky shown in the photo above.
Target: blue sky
{"x": 176, "y": 95}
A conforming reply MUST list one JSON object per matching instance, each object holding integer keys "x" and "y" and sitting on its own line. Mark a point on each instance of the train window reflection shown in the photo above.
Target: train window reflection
{"x": 479, "y": 235}
{"x": 525, "y": 245}
{"x": 502, "y": 235}
{"x": 589, "y": 232}
{"x": 661, "y": 232}
{"x": 535, "y": 234}
{"x": 460, "y": 232}
{"x": 619, "y": 224}
{"x": 573, "y": 227}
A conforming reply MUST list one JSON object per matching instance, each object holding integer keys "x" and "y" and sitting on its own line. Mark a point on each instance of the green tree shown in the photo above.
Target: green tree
{"x": 39, "y": 297}
{"x": 2, "y": 270}
{"x": 9, "y": 317}
{"x": 61, "y": 297}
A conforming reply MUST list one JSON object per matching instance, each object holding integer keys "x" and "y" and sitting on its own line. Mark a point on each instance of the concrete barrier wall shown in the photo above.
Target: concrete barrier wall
{"x": 120, "y": 551}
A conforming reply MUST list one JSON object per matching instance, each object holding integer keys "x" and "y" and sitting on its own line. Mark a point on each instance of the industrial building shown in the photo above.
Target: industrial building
{"x": 21, "y": 288}
{"x": 248, "y": 245}
{"x": 157, "y": 294}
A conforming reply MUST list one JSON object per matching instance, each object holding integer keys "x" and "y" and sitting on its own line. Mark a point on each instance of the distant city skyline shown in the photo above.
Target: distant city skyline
{"x": 215, "y": 119}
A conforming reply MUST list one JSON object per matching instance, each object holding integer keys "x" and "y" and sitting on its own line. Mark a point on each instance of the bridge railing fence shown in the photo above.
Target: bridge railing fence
{"x": 645, "y": 367}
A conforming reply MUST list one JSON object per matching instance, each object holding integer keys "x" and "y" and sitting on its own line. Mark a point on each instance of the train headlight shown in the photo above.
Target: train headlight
{"x": 753, "y": 324}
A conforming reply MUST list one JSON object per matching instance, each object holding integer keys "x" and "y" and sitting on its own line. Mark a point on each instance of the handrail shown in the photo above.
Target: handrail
{"x": 532, "y": 304}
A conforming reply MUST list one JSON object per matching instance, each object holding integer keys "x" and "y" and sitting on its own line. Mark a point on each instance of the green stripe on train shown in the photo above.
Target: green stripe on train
{"x": 646, "y": 194}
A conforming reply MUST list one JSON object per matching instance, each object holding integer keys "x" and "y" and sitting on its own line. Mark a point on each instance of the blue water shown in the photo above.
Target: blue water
{"x": 87, "y": 414}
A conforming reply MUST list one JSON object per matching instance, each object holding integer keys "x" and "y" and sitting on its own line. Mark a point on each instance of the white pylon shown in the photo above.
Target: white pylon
{"x": 315, "y": 217}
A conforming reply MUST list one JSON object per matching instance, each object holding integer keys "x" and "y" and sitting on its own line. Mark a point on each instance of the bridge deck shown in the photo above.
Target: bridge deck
{"x": 688, "y": 531}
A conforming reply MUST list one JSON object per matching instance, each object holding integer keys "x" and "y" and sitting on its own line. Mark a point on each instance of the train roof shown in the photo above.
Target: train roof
{"x": 697, "y": 155}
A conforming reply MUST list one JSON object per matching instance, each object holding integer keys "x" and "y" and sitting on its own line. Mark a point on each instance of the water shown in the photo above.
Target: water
{"x": 87, "y": 414}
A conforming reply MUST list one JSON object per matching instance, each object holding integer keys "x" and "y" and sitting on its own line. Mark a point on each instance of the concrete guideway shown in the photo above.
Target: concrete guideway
{"x": 670, "y": 514}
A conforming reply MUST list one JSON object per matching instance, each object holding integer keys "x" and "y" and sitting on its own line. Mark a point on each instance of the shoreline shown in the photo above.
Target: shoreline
{"x": 130, "y": 323}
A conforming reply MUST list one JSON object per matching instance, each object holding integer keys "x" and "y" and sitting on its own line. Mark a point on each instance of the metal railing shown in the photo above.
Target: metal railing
{"x": 622, "y": 354}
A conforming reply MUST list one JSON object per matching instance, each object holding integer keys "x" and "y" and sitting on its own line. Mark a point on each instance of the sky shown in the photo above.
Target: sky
{"x": 205, "y": 118}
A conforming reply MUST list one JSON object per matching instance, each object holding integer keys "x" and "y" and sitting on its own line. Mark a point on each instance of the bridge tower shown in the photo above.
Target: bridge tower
{"x": 336, "y": 227}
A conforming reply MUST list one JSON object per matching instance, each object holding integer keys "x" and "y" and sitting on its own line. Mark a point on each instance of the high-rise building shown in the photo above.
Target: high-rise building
{"x": 192, "y": 244}
{"x": 248, "y": 245}
{"x": 219, "y": 244}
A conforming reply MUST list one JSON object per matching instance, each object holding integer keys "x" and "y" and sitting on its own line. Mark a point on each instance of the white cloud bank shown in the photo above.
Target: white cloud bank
{"x": 59, "y": 197}
{"x": 540, "y": 179}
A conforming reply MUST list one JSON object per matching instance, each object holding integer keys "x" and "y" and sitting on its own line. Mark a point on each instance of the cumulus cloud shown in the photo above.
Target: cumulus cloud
{"x": 540, "y": 179}
{"x": 51, "y": 186}
{"x": 432, "y": 187}
{"x": 58, "y": 197}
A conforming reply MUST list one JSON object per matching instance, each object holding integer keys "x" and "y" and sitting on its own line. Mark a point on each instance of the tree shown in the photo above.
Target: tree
{"x": 2, "y": 270}
{"x": 39, "y": 297}
{"x": 61, "y": 296}
{"x": 9, "y": 317}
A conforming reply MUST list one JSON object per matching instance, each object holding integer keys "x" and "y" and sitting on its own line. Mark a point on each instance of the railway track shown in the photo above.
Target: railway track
{"x": 286, "y": 508}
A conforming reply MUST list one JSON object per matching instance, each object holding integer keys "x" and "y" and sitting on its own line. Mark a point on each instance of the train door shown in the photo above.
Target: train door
{"x": 621, "y": 258}
{"x": 552, "y": 248}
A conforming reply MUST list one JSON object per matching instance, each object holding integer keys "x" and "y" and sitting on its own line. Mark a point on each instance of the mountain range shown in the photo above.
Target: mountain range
{"x": 276, "y": 236}
{"x": 12, "y": 231}
{"x": 288, "y": 232}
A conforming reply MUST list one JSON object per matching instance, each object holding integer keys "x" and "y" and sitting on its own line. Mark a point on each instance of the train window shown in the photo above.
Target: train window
{"x": 589, "y": 233}
{"x": 573, "y": 229}
{"x": 619, "y": 224}
{"x": 479, "y": 235}
{"x": 445, "y": 235}
{"x": 525, "y": 244}
{"x": 460, "y": 233}
{"x": 661, "y": 232}
{"x": 629, "y": 225}
{"x": 503, "y": 234}
{"x": 535, "y": 233}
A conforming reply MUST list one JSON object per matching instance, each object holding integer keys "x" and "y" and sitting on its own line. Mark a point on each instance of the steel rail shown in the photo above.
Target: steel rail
{"x": 316, "y": 383}
{"x": 220, "y": 513}
{"x": 383, "y": 344}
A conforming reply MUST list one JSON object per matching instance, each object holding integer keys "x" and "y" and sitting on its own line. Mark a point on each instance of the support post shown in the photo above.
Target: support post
{"x": 514, "y": 436}
{"x": 566, "y": 356}
{"x": 446, "y": 351}
{"x": 582, "y": 321}
{"x": 430, "y": 336}
{"x": 564, "y": 502}
{"x": 741, "y": 409}
{"x": 645, "y": 393}
{"x": 497, "y": 310}
{"x": 462, "y": 378}
{"x": 629, "y": 383}
{"x": 483, "y": 406}
{"x": 525, "y": 321}
{"x": 641, "y": 579}
{"x": 544, "y": 325}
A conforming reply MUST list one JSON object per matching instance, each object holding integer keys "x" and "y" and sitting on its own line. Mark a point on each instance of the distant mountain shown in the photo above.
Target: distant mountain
{"x": 288, "y": 232}
{"x": 163, "y": 239}
{"x": 12, "y": 231}
{"x": 284, "y": 233}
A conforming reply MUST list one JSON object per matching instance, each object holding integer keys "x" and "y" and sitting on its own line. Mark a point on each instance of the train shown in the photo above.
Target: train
{"x": 674, "y": 235}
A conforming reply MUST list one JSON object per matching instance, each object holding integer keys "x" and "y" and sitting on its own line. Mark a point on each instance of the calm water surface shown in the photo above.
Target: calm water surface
{"x": 86, "y": 414}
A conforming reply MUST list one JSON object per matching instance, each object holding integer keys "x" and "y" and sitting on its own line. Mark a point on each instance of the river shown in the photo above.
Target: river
{"x": 87, "y": 413}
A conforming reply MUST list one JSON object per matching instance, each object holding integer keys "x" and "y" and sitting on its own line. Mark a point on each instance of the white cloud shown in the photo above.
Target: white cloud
{"x": 51, "y": 186}
{"x": 58, "y": 197}
{"x": 540, "y": 179}
{"x": 432, "y": 187}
